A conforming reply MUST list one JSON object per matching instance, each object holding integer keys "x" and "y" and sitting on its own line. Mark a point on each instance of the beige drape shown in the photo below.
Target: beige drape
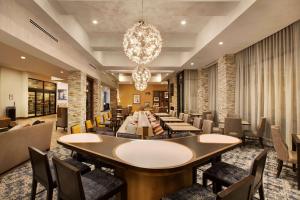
{"x": 268, "y": 81}
{"x": 212, "y": 88}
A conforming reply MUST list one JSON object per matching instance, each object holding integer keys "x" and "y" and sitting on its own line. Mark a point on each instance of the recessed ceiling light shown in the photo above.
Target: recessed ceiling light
{"x": 220, "y": 43}
{"x": 61, "y": 72}
{"x": 192, "y": 64}
{"x": 95, "y": 21}
{"x": 23, "y": 57}
{"x": 183, "y": 22}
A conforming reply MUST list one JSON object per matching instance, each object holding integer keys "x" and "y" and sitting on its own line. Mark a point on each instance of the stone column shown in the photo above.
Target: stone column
{"x": 173, "y": 98}
{"x": 226, "y": 86}
{"x": 77, "y": 99}
{"x": 202, "y": 92}
{"x": 97, "y": 97}
{"x": 113, "y": 98}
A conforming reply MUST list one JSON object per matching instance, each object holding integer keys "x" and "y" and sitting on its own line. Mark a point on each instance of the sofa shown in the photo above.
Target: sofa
{"x": 14, "y": 144}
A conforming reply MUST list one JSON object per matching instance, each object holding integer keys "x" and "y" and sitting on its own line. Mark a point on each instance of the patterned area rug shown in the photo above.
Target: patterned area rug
{"x": 16, "y": 184}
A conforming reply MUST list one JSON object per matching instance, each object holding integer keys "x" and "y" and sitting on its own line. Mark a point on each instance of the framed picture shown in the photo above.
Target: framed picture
{"x": 166, "y": 95}
{"x": 155, "y": 104}
{"x": 147, "y": 104}
{"x": 62, "y": 94}
{"x": 136, "y": 99}
{"x": 156, "y": 99}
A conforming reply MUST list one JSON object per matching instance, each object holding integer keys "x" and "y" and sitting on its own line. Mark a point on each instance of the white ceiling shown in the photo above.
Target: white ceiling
{"x": 116, "y": 16}
{"x": 238, "y": 23}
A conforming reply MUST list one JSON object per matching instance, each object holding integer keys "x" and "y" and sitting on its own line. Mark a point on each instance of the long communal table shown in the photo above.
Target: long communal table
{"x": 152, "y": 168}
{"x": 182, "y": 128}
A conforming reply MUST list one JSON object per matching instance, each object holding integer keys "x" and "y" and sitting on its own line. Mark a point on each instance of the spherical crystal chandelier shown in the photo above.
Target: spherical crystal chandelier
{"x": 141, "y": 74}
{"x": 140, "y": 85}
{"x": 142, "y": 43}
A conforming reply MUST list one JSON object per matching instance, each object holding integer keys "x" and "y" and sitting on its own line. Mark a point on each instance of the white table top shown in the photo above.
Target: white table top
{"x": 154, "y": 154}
{"x": 218, "y": 138}
{"x": 81, "y": 138}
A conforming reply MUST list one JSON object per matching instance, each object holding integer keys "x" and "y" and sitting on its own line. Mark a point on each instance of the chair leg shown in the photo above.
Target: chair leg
{"x": 279, "y": 168}
{"x": 124, "y": 193}
{"x": 204, "y": 180}
{"x": 261, "y": 192}
{"x": 49, "y": 193}
{"x": 261, "y": 141}
{"x": 294, "y": 167}
{"x": 194, "y": 175}
{"x": 244, "y": 140}
{"x": 33, "y": 189}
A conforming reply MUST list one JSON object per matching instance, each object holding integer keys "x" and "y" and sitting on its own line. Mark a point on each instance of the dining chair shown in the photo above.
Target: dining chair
{"x": 207, "y": 126}
{"x": 283, "y": 153}
{"x": 99, "y": 122}
{"x": 186, "y": 118}
{"x": 233, "y": 127}
{"x": 238, "y": 191}
{"x": 95, "y": 184}
{"x": 174, "y": 114}
{"x": 43, "y": 171}
{"x": 197, "y": 122}
{"x": 224, "y": 174}
{"x": 75, "y": 129}
{"x": 181, "y": 116}
{"x": 102, "y": 129}
{"x": 259, "y": 133}
{"x": 89, "y": 127}
{"x": 171, "y": 112}
{"x": 204, "y": 114}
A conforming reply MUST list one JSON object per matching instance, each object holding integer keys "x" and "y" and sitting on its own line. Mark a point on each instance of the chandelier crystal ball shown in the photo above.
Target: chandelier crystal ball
{"x": 141, "y": 74}
{"x": 140, "y": 85}
{"x": 142, "y": 43}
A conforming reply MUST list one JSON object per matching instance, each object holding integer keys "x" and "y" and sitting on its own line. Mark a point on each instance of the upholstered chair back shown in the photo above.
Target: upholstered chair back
{"x": 186, "y": 117}
{"x": 75, "y": 129}
{"x": 197, "y": 122}
{"x": 207, "y": 126}
{"x": 258, "y": 168}
{"x": 233, "y": 125}
{"x": 181, "y": 115}
{"x": 261, "y": 126}
{"x": 279, "y": 145}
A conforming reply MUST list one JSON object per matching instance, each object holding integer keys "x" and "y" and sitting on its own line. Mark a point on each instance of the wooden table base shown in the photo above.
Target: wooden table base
{"x": 154, "y": 185}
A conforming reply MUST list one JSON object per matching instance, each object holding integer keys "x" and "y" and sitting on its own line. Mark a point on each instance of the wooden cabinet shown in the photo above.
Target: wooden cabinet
{"x": 161, "y": 99}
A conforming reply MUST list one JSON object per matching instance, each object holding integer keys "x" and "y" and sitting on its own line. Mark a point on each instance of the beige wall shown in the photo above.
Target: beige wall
{"x": 126, "y": 92}
{"x": 15, "y": 83}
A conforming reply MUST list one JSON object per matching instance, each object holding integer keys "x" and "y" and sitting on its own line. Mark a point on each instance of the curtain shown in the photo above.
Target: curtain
{"x": 268, "y": 81}
{"x": 212, "y": 88}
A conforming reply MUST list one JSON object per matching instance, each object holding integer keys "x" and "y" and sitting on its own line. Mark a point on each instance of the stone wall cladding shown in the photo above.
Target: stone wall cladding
{"x": 97, "y": 97}
{"x": 77, "y": 99}
{"x": 202, "y": 92}
{"x": 113, "y": 98}
{"x": 173, "y": 102}
{"x": 226, "y": 86}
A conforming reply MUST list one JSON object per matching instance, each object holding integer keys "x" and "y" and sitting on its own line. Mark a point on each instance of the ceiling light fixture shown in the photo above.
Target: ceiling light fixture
{"x": 183, "y": 22}
{"x": 95, "y": 22}
{"x": 61, "y": 71}
{"x": 23, "y": 57}
{"x": 192, "y": 64}
{"x": 141, "y": 74}
{"x": 142, "y": 43}
{"x": 220, "y": 43}
{"x": 140, "y": 86}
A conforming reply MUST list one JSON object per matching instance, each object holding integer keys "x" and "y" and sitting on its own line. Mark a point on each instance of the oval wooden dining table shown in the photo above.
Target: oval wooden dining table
{"x": 152, "y": 168}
